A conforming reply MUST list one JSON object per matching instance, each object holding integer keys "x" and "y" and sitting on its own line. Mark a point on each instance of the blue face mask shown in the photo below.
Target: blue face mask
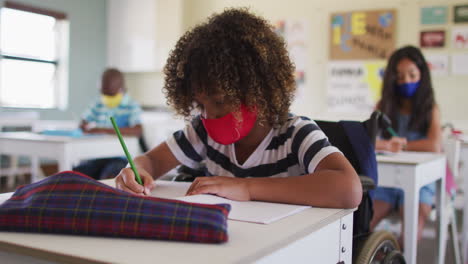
{"x": 407, "y": 90}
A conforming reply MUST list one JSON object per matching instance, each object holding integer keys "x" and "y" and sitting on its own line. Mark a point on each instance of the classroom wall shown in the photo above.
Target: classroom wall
{"x": 88, "y": 48}
{"x": 451, "y": 91}
{"x": 87, "y": 57}
{"x": 146, "y": 86}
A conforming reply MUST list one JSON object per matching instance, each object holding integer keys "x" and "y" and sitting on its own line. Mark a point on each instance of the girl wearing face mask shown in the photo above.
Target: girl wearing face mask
{"x": 232, "y": 79}
{"x": 408, "y": 99}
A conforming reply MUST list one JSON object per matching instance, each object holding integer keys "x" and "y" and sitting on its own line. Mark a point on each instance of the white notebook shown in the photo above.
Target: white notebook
{"x": 249, "y": 211}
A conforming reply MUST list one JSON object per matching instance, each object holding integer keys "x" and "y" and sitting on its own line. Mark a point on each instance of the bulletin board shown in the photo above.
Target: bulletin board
{"x": 362, "y": 35}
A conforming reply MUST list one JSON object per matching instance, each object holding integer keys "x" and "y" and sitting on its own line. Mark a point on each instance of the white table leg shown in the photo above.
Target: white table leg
{"x": 64, "y": 164}
{"x": 66, "y": 161}
{"x": 441, "y": 220}
{"x": 411, "y": 212}
{"x": 12, "y": 173}
{"x": 34, "y": 168}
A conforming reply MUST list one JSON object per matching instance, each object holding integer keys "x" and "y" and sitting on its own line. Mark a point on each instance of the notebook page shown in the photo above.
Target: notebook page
{"x": 249, "y": 211}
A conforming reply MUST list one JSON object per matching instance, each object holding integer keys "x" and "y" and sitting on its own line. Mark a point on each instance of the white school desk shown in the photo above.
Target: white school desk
{"x": 315, "y": 235}
{"x": 464, "y": 174}
{"x": 410, "y": 171}
{"x": 66, "y": 150}
{"x": 18, "y": 119}
{"x": 27, "y": 120}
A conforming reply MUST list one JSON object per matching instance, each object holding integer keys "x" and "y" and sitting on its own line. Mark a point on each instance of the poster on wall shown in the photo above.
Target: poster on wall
{"x": 295, "y": 35}
{"x": 460, "y": 14}
{"x": 460, "y": 37}
{"x": 354, "y": 86}
{"x": 438, "y": 64}
{"x": 362, "y": 35}
{"x": 434, "y": 15}
{"x": 460, "y": 64}
{"x": 432, "y": 39}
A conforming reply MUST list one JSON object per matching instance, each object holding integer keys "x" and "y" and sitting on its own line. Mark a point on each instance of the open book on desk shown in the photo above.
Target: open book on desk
{"x": 247, "y": 211}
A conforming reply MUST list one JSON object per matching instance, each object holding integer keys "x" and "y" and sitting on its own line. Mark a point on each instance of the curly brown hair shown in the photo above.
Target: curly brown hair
{"x": 236, "y": 54}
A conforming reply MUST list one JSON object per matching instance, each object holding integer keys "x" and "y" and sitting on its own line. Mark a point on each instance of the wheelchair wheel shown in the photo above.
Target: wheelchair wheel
{"x": 378, "y": 246}
{"x": 394, "y": 257}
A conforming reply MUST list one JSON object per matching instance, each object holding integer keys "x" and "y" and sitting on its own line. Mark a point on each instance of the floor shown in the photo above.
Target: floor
{"x": 23, "y": 179}
{"x": 427, "y": 245}
{"x": 47, "y": 169}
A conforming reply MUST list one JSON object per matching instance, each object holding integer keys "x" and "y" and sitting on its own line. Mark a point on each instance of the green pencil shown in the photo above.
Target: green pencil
{"x": 392, "y": 132}
{"x": 129, "y": 157}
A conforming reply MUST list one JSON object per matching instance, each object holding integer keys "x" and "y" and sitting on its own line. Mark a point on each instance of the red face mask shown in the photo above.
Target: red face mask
{"x": 227, "y": 129}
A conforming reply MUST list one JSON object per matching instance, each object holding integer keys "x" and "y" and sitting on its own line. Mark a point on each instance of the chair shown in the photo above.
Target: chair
{"x": 357, "y": 141}
{"x": 451, "y": 147}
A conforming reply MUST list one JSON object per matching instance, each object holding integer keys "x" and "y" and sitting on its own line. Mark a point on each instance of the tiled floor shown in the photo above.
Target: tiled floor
{"x": 427, "y": 247}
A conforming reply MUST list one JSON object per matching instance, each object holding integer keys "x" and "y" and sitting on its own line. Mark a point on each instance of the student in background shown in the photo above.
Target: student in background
{"x": 233, "y": 78}
{"x": 408, "y": 99}
{"x": 113, "y": 101}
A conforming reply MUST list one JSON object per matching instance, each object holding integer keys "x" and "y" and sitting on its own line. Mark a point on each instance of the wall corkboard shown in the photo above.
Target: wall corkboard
{"x": 362, "y": 35}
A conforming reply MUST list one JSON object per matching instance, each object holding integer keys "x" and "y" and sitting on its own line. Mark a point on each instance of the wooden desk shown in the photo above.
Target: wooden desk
{"x": 410, "y": 171}
{"x": 66, "y": 150}
{"x": 315, "y": 235}
{"x": 464, "y": 174}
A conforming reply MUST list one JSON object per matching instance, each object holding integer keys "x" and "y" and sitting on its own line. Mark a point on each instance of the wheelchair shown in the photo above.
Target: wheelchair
{"x": 357, "y": 142}
{"x": 379, "y": 247}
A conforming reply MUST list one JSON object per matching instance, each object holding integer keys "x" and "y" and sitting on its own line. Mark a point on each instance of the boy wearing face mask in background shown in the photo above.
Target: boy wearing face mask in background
{"x": 234, "y": 71}
{"x": 113, "y": 101}
{"x": 408, "y": 99}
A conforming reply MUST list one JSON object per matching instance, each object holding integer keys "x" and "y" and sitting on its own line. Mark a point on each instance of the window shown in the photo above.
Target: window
{"x": 33, "y": 62}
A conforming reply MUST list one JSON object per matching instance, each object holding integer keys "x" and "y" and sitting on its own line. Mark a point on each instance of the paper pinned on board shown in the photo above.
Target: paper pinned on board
{"x": 460, "y": 64}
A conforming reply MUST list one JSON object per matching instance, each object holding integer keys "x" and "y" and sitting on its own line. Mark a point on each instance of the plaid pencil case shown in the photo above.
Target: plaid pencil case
{"x": 72, "y": 203}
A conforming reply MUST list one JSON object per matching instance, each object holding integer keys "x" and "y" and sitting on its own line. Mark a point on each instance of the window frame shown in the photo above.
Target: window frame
{"x": 61, "y": 60}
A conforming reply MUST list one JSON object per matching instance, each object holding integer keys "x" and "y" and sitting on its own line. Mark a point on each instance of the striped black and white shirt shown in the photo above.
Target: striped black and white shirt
{"x": 295, "y": 148}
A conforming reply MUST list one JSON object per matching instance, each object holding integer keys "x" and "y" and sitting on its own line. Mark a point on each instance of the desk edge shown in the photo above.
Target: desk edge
{"x": 45, "y": 254}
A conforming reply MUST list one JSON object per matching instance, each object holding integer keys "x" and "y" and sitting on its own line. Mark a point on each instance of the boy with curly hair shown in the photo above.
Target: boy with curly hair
{"x": 233, "y": 79}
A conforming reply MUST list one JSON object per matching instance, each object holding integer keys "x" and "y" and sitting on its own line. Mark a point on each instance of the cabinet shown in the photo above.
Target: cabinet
{"x": 141, "y": 33}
